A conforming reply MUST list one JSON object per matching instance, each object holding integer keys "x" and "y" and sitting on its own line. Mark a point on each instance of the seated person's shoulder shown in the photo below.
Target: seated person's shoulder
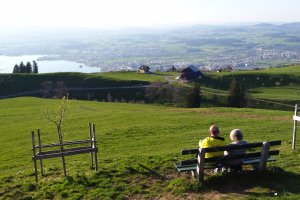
{"x": 242, "y": 142}
{"x": 203, "y": 143}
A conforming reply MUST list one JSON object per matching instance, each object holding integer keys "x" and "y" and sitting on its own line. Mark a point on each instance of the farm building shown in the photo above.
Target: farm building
{"x": 144, "y": 69}
{"x": 189, "y": 73}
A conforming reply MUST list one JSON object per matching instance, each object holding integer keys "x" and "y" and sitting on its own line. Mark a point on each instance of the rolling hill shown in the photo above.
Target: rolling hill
{"x": 277, "y": 85}
{"x": 137, "y": 147}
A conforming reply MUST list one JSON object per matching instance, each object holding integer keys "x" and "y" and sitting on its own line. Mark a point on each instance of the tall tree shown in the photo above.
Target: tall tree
{"x": 58, "y": 117}
{"x": 35, "y": 67}
{"x": 193, "y": 97}
{"x": 22, "y": 68}
{"x": 16, "y": 69}
{"x": 28, "y": 68}
{"x": 237, "y": 94}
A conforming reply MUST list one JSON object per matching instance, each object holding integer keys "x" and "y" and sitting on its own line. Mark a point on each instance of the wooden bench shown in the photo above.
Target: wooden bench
{"x": 251, "y": 157}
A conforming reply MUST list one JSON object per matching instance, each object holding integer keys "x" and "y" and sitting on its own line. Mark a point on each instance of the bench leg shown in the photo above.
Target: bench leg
{"x": 42, "y": 168}
{"x": 264, "y": 156}
{"x": 200, "y": 165}
{"x": 35, "y": 171}
{"x": 194, "y": 174}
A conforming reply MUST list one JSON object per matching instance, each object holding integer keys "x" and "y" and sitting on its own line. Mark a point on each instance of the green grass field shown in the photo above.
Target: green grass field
{"x": 156, "y": 76}
{"x": 275, "y": 84}
{"x": 14, "y": 83}
{"x": 137, "y": 147}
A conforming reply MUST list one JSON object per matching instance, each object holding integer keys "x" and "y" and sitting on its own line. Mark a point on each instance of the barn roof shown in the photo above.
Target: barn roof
{"x": 144, "y": 67}
{"x": 190, "y": 72}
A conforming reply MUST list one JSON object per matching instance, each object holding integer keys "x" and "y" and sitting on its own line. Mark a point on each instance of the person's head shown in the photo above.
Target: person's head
{"x": 236, "y": 135}
{"x": 214, "y": 130}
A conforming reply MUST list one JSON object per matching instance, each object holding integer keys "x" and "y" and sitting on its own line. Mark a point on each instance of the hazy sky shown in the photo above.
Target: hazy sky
{"x": 123, "y": 13}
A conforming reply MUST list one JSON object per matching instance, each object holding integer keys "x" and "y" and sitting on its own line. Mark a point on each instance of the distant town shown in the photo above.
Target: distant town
{"x": 255, "y": 58}
{"x": 205, "y": 47}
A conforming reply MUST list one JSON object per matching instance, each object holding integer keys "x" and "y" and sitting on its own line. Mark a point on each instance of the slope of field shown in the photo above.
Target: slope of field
{"x": 275, "y": 84}
{"x": 10, "y": 83}
{"x": 137, "y": 147}
{"x": 119, "y": 85}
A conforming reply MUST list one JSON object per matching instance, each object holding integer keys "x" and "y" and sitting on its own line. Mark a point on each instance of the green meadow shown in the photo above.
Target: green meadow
{"x": 138, "y": 145}
{"x": 275, "y": 84}
{"x": 281, "y": 84}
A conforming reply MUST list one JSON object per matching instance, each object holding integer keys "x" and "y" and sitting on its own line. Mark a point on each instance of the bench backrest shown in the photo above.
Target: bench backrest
{"x": 248, "y": 155}
{"x": 230, "y": 147}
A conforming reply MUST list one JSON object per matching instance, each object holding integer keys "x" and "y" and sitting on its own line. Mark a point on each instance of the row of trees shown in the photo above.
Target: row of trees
{"x": 191, "y": 96}
{"x": 28, "y": 68}
{"x": 163, "y": 93}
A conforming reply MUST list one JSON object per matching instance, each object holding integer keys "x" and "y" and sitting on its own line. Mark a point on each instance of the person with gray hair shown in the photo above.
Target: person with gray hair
{"x": 236, "y": 137}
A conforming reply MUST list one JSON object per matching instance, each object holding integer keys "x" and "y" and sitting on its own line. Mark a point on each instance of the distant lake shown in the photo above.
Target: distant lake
{"x": 7, "y": 64}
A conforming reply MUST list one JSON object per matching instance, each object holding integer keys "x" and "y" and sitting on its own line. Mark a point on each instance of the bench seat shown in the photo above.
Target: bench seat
{"x": 192, "y": 167}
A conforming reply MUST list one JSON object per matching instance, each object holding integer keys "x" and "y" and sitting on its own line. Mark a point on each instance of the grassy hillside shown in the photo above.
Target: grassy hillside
{"x": 76, "y": 84}
{"x": 275, "y": 84}
{"x": 136, "y": 76}
{"x": 13, "y": 83}
{"x": 137, "y": 147}
{"x": 261, "y": 78}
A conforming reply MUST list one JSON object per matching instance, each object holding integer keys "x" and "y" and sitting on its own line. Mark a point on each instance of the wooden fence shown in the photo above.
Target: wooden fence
{"x": 40, "y": 152}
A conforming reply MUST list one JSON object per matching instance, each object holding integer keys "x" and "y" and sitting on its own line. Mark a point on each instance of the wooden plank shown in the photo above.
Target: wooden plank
{"x": 227, "y": 158}
{"x": 275, "y": 142}
{"x": 185, "y": 168}
{"x": 64, "y": 144}
{"x": 65, "y": 150}
{"x": 189, "y": 151}
{"x": 230, "y": 147}
{"x": 256, "y": 161}
{"x": 192, "y": 167}
{"x": 68, "y": 153}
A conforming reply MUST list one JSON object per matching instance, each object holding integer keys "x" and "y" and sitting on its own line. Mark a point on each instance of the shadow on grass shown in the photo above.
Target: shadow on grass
{"x": 253, "y": 183}
{"x": 148, "y": 172}
{"x": 152, "y": 172}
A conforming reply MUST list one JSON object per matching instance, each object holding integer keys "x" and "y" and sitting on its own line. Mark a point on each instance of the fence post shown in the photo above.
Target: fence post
{"x": 33, "y": 157}
{"x": 200, "y": 165}
{"x": 40, "y": 150}
{"x": 91, "y": 144}
{"x": 264, "y": 156}
{"x": 95, "y": 147}
{"x": 295, "y": 128}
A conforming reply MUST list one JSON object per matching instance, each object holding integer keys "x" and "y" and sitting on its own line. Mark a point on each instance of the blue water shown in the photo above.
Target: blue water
{"x": 7, "y": 64}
